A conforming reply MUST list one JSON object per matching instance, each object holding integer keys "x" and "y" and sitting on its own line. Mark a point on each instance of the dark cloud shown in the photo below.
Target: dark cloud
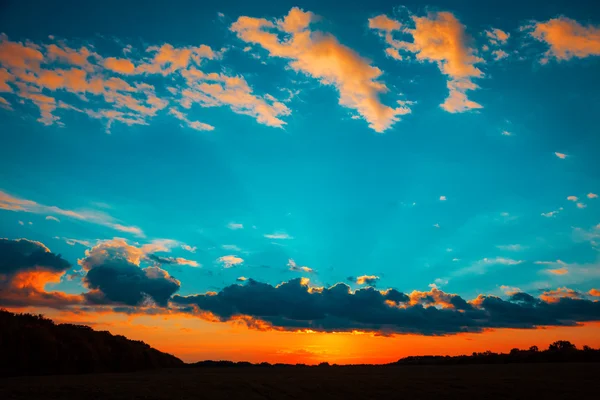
{"x": 294, "y": 305}
{"x": 115, "y": 277}
{"x": 22, "y": 254}
{"x": 26, "y": 267}
{"x": 162, "y": 260}
{"x": 120, "y": 281}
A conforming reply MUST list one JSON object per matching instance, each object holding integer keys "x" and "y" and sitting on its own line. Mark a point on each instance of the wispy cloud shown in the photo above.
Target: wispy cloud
{"x": 296, "y": 268}
{"x": 481, "y": 266}
{"x": 511, "y": 247}
{"x": 235, "y": 226}
{"x": 39, "y": 73}
{"x": 12, "y": 203}
{"x": 551, "y": 214}
{"x": 52, "y": 218}
{"x": 562, "y": 156}
{"x": 278, "y": 236}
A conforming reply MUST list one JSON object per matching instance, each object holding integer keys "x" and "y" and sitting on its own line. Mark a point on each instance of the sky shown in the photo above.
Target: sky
{"x": 301, "y": 181}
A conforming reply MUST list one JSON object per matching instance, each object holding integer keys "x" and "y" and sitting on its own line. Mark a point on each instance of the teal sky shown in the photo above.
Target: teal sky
{"x": 297, "y": 159}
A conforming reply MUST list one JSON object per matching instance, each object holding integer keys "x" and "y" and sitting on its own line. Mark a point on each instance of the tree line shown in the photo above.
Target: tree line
{"x": 35, "y": 345}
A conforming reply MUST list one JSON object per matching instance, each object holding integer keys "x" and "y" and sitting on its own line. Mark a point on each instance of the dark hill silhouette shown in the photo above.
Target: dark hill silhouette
{"x": 34, "y": 345}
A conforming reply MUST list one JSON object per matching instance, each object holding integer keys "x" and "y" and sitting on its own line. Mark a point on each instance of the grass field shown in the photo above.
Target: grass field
{"x": 516, "y": 381}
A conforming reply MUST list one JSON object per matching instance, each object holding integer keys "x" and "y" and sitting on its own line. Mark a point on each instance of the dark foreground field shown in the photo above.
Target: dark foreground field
{"x": 515, "y": 381}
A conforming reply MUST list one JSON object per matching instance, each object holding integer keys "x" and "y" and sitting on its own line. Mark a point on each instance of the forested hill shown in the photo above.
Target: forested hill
{"x": 34, "y": 345}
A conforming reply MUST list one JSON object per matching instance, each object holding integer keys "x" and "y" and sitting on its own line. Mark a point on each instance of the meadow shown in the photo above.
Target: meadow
{"x": 502, "y": 381}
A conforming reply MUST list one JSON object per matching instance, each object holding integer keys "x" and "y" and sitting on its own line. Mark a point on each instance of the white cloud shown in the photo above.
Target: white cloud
{"x": 52, "y": 218}
{"x": 442, "y": 198}
{"x": 235, "y": 226}
{"x": 278, "y": 235}
{"x": 230, "y": 261}
{"x": 511, "y": 247}
{"x": 562, "y": 156}
{"x": 189, "y": 248}
{"x": 481, "y": 266}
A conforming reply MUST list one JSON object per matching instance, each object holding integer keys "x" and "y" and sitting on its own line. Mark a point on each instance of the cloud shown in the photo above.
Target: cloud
{"x": 481, "y": 266}
{"x": 230, "y": 261}
{"x": 581, "y": 205}
{"x": 558, "y": 271}
{"x": 234, "y": 226}
{"x": 442, "y": 198}
{"x": 215, "y": 90}
{"x": 197, "y": 125}
{"x": 52, "y": 218}
{"x": 499, "y": 55}
{"x": 26, "y": 267}
{"x": 572, "y": 198}
{"x": 73, "y": 242}
{"x": 41, "y": 73}
{"x": 295, "y": 305}
{"x": 440, "y": 38}
{"x": 497, "y": 36}
{"x": 278, "y": 236}
{"x": 384, "y": 23}
{"x": 511, "y": 247}
{"x": 367, "y": 279}
{"x": 242, "y": 279}
{"x": 321, "y": 56}
{"x": 12, "y": 203}
{"x": 562, "y": 156}
{"x": 189, "y": 248}
{"x": 173, "y": 260}
{"x": 594, "y": 293}
{"x": 567, "y": 39}
{"x": 510, "y": 290}
{"x": 592, "y": 195}
{"x": 294, "y": 267}
{"x": 554, "y": 296}
{"x": 551, "y": 214}
{"x": 114, "y": 276}
{"x": 506, "y": 133}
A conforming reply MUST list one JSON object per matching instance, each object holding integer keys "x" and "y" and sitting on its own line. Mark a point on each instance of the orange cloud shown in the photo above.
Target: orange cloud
{"x": 558, "y": 271}
{"x": 434, "y": 297}
{"x": 439, "y": 38}
{"x": 33, "y": 69}
{"x": 562, "y": 156}
{"x": 369, "y": 279}
{"x": 120, "y": 65}
{"x": 553, "y": 296}
{"x": 497, "y": 36}
{"x": 594, "y": 292}
{"x": 567, "y": 38}
{"x": 214, "y": 90}
{"x": 322, "y": 57}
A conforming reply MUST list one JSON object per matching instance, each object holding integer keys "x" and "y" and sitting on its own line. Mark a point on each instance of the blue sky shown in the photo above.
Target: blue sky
{"x": 470, "y": 201}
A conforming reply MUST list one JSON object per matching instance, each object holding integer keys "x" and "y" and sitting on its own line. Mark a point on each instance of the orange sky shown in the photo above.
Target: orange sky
{"x": 193, "y": 339}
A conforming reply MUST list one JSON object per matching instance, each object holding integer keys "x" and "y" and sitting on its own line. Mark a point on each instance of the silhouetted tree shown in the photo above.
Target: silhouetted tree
{"x": 562, "y": 345}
